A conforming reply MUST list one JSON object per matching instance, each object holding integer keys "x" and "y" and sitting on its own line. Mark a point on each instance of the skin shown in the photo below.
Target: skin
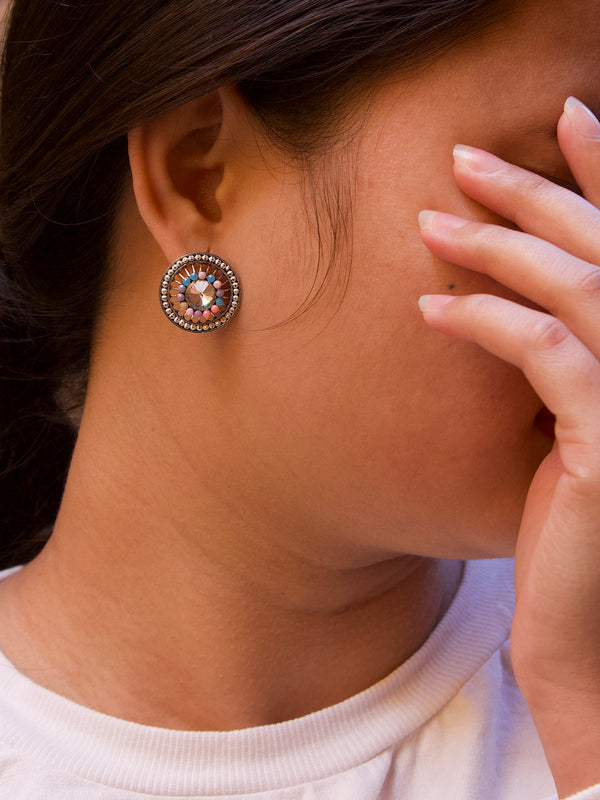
{"x": 554, "y": 260}
{"x": 295, "y": 501}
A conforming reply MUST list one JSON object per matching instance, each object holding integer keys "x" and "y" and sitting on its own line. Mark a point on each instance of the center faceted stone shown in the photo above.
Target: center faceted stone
{"x": 200, "y": 294}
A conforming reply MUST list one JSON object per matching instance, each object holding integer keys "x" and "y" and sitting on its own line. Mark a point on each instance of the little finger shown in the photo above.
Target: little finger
{"x": 561, "y": 370}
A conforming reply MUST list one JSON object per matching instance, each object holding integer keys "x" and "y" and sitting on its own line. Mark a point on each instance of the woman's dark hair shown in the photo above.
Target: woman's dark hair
{"x": 75, "y": 78}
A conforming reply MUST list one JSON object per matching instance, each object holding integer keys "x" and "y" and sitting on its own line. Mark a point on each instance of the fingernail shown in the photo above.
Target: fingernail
{"x": 582, "y": 118}
{"x": 476, "y": 159}
{"x": 432, "y": 302}
{"x": 438, "y": 221}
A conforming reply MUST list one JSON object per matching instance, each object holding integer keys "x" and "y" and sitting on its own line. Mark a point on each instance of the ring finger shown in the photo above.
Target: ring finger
{"x": 567, "y": 287}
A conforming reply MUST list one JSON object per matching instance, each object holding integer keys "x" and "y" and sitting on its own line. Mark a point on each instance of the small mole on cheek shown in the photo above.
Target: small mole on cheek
{"x": 450, "y": 285}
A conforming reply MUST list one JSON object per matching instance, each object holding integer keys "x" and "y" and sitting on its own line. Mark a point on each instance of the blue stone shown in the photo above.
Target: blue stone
{"x": 219, "y": 301}
{"x": 193, "y": 276}
{"x": 210, "y": 278}
{"x": 186, "y": 281}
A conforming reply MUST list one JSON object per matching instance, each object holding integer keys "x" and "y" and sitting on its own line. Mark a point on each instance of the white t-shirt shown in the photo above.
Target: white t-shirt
{"x": 450, "y": 723}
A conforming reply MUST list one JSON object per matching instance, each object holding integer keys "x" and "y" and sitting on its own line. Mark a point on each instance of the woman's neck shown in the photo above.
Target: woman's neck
{"x": 156, "y": 602}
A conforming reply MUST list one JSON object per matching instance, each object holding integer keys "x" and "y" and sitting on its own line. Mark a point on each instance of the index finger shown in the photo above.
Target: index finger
{"x": 536, "y": 205}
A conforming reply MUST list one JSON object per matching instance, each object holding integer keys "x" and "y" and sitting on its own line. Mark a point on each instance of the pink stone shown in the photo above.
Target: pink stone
{"x": 188, "y": 313}
{"x": 207, "y": 314}
{"x": 217, "y": 284}
{"x": 202, "y": 276}
{"x": 215, "y": 309}
{"x": 197, "y": 315}
{"x": 220, "y": 293}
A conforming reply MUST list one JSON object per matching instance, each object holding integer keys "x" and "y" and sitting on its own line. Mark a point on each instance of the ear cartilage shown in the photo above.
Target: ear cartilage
{"x": 199, "y": 292}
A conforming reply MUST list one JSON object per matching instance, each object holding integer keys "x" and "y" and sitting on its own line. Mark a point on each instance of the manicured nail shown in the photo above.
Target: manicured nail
{"x": 432, "y": 302}
{"x": 582, "y": 118}
{"x": 438, "y": 221}
{"x": 476, "y": 159}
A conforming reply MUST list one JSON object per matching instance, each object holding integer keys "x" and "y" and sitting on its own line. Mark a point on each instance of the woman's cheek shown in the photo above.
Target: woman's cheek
{"x": 428, "y": 434}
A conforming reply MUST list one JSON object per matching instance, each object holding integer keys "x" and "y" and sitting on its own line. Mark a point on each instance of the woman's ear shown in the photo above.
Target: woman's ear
{"x": 178, "y": 161}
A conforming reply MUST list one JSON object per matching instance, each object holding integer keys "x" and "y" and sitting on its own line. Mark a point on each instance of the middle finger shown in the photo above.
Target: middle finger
{"x": 566, "y": 286}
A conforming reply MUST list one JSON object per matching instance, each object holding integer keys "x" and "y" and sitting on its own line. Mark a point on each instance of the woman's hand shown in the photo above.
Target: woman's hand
{"x": 554, "y": 261}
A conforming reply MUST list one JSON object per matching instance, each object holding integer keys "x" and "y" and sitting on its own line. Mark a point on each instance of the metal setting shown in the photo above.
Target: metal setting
{"x": 199, "y": 292}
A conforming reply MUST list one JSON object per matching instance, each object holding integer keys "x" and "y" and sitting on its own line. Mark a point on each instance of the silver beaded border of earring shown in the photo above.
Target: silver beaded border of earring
{"x": 200, "y": 292}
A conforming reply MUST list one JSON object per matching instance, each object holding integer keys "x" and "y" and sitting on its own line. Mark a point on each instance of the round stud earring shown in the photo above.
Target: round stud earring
{"x": 199, "y": 292}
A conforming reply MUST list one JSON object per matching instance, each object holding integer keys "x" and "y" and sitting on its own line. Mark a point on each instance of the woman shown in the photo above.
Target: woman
{"x": 255, "y": 582}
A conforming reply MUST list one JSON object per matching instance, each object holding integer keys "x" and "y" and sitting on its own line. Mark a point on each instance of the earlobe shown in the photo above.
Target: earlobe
{"x": 177, "y": 166}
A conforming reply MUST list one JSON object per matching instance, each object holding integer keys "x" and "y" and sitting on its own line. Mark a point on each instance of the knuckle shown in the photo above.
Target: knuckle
{"x": 549, "y": 334}
{"x": 533, "y": 191}
{"x": 532, "y": 183}
{"x": 538, "y": 188}
{"x": 483, "y": 238}
{"x": 583, "y": 468}
{"x": 587, "y": 285}
{"x": 479, "y": 304}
